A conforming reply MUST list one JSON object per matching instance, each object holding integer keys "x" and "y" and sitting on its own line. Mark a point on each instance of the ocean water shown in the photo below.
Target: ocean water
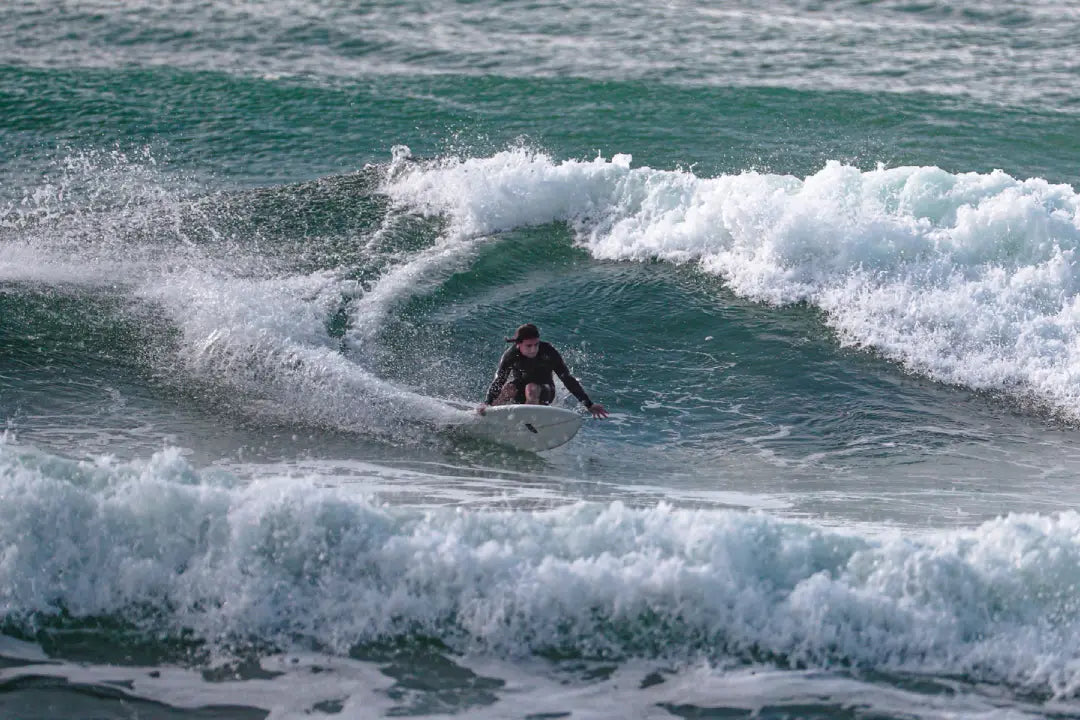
{"x": 818, "y": 259}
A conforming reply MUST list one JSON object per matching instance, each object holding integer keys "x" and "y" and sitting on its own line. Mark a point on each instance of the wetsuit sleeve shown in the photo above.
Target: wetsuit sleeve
{"x": 569, "y": 380}
{"x": 501, "y": 374}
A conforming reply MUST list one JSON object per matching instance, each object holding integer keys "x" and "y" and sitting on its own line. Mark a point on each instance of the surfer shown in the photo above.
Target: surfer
{"x": 528, "y": 366}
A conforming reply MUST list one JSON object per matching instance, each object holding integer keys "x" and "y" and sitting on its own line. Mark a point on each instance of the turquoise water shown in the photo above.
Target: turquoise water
{"x": 818, "y": 261}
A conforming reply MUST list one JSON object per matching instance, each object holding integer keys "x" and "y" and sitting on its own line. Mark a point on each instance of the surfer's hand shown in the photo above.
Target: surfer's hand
{"x": 481, "y": 408}
{"x": 598, "y": 411}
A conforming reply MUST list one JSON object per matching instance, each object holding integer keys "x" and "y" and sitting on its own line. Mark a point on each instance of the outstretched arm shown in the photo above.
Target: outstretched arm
{"x": 575, "y": 388}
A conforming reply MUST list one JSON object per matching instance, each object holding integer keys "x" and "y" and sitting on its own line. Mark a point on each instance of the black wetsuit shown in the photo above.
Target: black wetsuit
{"x": 522, "y": 370}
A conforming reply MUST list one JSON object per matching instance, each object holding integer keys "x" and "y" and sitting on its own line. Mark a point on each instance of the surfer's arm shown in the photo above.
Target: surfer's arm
{"x": 575, "y": 388}
{"x": 569, "y": 380}
{"x": 501, "y": 374}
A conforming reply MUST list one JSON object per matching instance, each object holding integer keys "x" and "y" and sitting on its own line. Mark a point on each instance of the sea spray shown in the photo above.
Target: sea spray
{"x": 224, "y": 315}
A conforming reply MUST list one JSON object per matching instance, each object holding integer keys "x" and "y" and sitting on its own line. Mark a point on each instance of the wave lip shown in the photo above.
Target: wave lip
{"x": 967, "y": 278}
{"x": 180, "y": 552}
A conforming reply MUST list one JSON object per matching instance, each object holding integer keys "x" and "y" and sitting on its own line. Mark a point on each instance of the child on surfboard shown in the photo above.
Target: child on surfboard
{"x": 528, "y": 366}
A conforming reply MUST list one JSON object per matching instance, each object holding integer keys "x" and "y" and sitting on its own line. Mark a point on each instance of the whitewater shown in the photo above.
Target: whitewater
{"x": 288, "y": 560}
{"x": 967, "y": 278}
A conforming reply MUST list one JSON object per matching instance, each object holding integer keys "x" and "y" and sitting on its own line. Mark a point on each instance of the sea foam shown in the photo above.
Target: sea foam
{"x": 967, "y": 278}
{"x": 172, "y": 549}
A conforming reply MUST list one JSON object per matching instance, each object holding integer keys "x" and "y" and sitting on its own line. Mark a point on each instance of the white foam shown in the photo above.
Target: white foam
{"x": 968, "y": 278}
{"x": 419, "y": 273}
{"x": 303, "y": 682}
{"x": 283, "y": 558}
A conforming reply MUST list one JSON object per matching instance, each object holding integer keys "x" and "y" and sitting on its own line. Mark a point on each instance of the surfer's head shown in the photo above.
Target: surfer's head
{"x": 527, "y": 339}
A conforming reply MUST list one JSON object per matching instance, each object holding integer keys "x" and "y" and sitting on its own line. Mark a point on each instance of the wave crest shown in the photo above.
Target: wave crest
{"x": 968, "y": 278}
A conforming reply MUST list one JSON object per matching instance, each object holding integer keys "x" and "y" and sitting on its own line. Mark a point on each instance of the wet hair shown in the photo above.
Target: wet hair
{"x": 525, "y": 332}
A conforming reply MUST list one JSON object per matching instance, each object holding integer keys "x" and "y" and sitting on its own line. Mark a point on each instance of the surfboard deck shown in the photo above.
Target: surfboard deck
{"x": 526, "y": 427}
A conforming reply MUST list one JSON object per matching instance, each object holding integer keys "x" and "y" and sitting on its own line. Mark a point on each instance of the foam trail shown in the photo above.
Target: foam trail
{"x": 420, "y": 272}
{"x": 969, "y": 278}
{"x": 172, "y": 549}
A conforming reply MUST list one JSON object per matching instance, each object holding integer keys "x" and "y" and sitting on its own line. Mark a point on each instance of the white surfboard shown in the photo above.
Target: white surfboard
{"x": 526, "y": 427}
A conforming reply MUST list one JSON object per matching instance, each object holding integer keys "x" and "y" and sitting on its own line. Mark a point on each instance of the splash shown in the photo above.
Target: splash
{"x": 239, "y": 315}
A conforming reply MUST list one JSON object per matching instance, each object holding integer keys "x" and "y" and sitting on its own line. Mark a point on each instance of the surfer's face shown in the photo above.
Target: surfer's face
{"x": 529, "y": 347}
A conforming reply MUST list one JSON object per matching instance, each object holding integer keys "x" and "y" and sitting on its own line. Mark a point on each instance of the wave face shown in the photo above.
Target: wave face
{"x": 967, "y": 278}
{"x": 178, "y": 553}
